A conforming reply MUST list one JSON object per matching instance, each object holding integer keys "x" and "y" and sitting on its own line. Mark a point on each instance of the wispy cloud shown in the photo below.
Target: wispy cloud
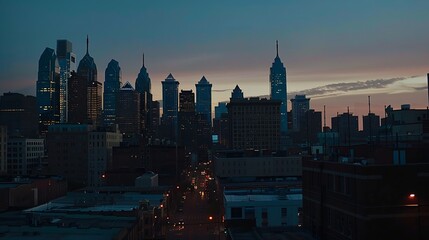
{"x": 221, "y": 90}
{"x": 420, "y": 88}
{"x": 338, "y": 88}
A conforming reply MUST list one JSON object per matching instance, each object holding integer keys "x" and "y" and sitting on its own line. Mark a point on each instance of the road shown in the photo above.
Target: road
{"x": 201, "y": 218}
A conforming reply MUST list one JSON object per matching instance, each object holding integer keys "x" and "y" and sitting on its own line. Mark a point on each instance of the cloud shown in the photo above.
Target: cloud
{"x": 336, "y": 88}
{"x": 421, "y": 88}
{"x": 222, "y": 90}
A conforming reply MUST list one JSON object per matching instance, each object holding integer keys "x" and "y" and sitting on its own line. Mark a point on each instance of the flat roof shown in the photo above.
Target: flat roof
{"x": 262, "y": 197}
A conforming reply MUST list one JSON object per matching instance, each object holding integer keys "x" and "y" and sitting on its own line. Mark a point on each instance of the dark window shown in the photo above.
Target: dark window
{"x": 236, "y": 212}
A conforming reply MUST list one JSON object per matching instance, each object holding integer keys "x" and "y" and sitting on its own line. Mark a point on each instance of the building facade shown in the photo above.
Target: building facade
{"x": 128, "y": 110}
{"x": 300, "y": 104}
{"x": 278, "y": 88}
{"x": 143, "y": 86}
{"x": 254, "y": 123}
{"x": 204, "y": 99}
{"x": 170, "y": 106}
{"x": 67, "y": 63}
{"x": 20, "y": 114}
{"x": 263, "y": 208}
{"x": 357, "y": 201}
{"x": 48, "y": 90}
{"x": 87, "y": 72}
{"x": 112, "y": 84}
{"x": 264, "y": 166}
{"x": 24, "y": 155}
{"x": 346, "y": 125}
{"x": 3, "y": 149}
{"x": 77, "y": 99}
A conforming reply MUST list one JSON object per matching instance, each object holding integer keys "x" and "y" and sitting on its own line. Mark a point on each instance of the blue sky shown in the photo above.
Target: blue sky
{"x": 230, "y": 42}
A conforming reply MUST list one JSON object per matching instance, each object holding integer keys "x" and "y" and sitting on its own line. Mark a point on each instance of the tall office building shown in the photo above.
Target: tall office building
{"x": 154, "y": 117}
{"x": 87, "y": 71}
{"x": 187, "y": 120}
{"x": 371, "y": 125}
{"x": 254, "y": 123}
{"x": 48, "y": 90}
{"x": 112, "y": 84}
{"x": 237, "y": 93}
{"x": 187, "y": 101}
{"x": 170, "y": 105}
{"x": 278, "y": 87}
{"x": 300, "y": 104}
{"x": 128, "y": 110}
{"x": 220, "y": 109}
{"x": 143, "y": 86}
{"x": 67, "y": 62}
{"x": 94, "y": 94}
{"x": 20, "y": 114}
{"x": 77, "y": 102}
{"x": 204, "y": 99}
{"x": 346, "y": 125}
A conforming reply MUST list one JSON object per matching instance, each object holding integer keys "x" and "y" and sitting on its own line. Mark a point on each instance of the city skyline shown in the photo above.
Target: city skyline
{"x": 374, "y": 41}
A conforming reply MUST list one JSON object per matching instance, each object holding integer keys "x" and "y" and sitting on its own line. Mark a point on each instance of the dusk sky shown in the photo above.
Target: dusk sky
{"x": 345, "y": 43}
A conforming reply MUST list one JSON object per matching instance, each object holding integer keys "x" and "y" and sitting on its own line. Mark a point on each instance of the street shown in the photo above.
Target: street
{"x": 198, "y": 214}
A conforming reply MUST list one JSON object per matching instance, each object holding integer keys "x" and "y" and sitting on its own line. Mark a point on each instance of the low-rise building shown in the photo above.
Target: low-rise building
{"x": 363, "y": 201}
{"x": 24, "y": 155}
{"x": 264, "y": 207}
{"x": 259, "y": 166}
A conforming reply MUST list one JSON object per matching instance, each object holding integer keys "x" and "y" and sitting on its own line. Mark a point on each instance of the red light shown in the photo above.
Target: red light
{"x": 412, "y": 196}
{"x": 210, "y": 218}
{"x": 103, "y": 175}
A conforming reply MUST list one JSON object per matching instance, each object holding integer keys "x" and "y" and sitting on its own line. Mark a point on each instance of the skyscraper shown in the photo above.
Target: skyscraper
{"x": 77, "y": 101}
{"x": 300, "y": 104}
{"x": 112, "y": 83}
{"x": 187, "y": 102}
{"x": 143, "y": 86}
{"x": 87, "y": 71}
{"x": 170, "y": 105}
{"x": 87, "y": 68}
{"x": 346, "y": 125}
{"x": 128, "y": 110}
{"x": 204, "y": 99}
{"x": 278, "y": 87}
{"x": 237, "y": 93}
{"x": 48, "y": 90}
{"x": 67, "y": 62}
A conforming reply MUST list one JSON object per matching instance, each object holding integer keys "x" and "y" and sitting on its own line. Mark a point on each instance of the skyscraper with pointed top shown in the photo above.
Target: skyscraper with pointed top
{"x": 237, "y": 93}
{"x": 204, "y": 99}
{"x": 112, "y": 84}
{"x": 170, "y": 91}
{"x": 48, "y": 90}
{"x": 86, "y": 74}
{"x": 143, "y": 86}
{"x": 278, "y": 87}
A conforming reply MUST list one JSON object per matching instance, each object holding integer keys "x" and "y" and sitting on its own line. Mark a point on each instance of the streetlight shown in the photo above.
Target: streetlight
{"x": 414, "y": 198}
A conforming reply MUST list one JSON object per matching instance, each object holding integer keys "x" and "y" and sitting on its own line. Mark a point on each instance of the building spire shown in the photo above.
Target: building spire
{"x": 87, "y": 43}
{"x": 277, "y": 48}
{"x": 143, "y": 59}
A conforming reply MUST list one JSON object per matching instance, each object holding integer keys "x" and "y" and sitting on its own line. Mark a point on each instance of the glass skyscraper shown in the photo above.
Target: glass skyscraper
{"x": 112, "y": 84}
{"x": 170, "y": 88}
{"x": 67, "y": 62}
{"x": 48, "y": 90}
{"x": 278, "y": 88}
{"x": 204, "y": 99}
